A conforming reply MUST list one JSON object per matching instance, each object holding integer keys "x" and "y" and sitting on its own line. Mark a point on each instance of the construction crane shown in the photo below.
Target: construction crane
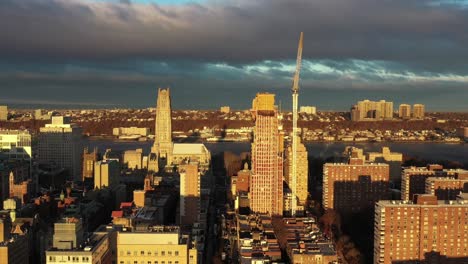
{"x": 295, "y": 135}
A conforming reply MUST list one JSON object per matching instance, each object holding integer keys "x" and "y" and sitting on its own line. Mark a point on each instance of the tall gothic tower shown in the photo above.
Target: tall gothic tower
{"x": 161, "y": 152}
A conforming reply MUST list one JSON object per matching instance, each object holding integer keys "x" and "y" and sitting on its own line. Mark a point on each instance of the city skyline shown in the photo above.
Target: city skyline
{"x": 400, "y": 51}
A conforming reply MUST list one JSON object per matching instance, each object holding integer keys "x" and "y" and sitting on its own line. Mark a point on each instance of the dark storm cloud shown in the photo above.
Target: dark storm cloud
{"x": 408, "y": 31}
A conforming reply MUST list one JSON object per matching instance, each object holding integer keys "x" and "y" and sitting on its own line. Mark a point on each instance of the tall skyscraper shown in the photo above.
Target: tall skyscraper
{"x": 60, "y": 146}
{"x": 404, "y": 111}
{"x": 3, "y": 112}
{"x": 161, "y": 152}
{"x": 266, "y": 187}
{"x": 412, "y": 231}
{"x": 418, "y": 111}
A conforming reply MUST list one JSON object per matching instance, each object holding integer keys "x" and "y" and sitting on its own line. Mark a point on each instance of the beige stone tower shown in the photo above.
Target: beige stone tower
{"x": 161, "y": 152}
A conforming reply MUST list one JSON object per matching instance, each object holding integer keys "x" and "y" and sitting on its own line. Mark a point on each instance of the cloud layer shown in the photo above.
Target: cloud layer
{"x": 236, "y": 31}
{"x": 365, "y": 46}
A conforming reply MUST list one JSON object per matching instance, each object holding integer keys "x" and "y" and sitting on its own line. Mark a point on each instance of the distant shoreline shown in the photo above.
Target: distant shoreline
{"x": 113, "y": 138}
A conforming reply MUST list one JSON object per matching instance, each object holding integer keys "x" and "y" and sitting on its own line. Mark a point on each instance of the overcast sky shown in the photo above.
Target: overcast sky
{"x": 211, "y": 53}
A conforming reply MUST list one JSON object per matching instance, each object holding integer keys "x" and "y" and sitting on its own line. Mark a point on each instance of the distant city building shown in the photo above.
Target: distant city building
{"x": 446, "y": 188}
{"x": 39, "y": 115}
{"x": 404, "y": 111}
{"x": 393, "y": 159}
{"x": 225, "y": 109}
{"x": 418, "y": 111}
{"x": 60, "y": 146}
{"x": 16, "y": 144}
{"x": 412, "y": 231}
{"x": 311, "y": 110}
{"x": 463, "y": 133}
{"x": 190, "y": 192}
{"x": 414, "y": 178}
{"x": 190, "y": 152}
{"x": 372, "y": 110}
{"x": 266, "y": 185}
{"x": 128, "y": 131}
{"x": 89, "y": 159}
{"x": 354, "y": 186}
{"x": 302, "y": 173}
{"x": 133, "y": 159}
{"x": 3, "y": 112}
{"x": 106, "y": 173}
{"x": 164, "y": 244}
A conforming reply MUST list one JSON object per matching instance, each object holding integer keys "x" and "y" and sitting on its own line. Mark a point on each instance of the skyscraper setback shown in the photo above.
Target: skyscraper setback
{"x": 266, "y": 188}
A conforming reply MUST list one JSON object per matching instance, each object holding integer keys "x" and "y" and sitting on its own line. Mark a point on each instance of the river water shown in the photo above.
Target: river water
{"x": 426, "y": 150}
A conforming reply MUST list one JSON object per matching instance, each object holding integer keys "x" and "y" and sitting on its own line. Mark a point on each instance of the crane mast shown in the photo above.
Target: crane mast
{"x": 295, "y": 97}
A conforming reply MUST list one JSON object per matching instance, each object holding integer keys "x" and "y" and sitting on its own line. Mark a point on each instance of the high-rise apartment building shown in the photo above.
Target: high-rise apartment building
{"x": 410, "y": 231}
{"x": 418, "y": 111}
{"x": 372, "y": 110}
{"x": 302, "y": 172}
{"x": 354, "y": 186}
{"x": 266, "y": 186}
{"x": 89, "y": 159}
{"x": 3, "y": 112}
{"x": 310, "y": 110}
{"x": 155, "y": 244}
{"x": 404, "y": 111}
{"x": 446, "y": 188}
{"x": 190, "y": 191}
{"x": 161, "y": 152}
{"x": 60, "y": 146}
{"x": 413, "y": 179}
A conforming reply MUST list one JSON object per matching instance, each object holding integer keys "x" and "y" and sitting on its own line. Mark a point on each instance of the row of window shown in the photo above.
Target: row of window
{"x": 149, "y": 253}
{"x": 150, "y": 262}
{"x": 70, "y": 259}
